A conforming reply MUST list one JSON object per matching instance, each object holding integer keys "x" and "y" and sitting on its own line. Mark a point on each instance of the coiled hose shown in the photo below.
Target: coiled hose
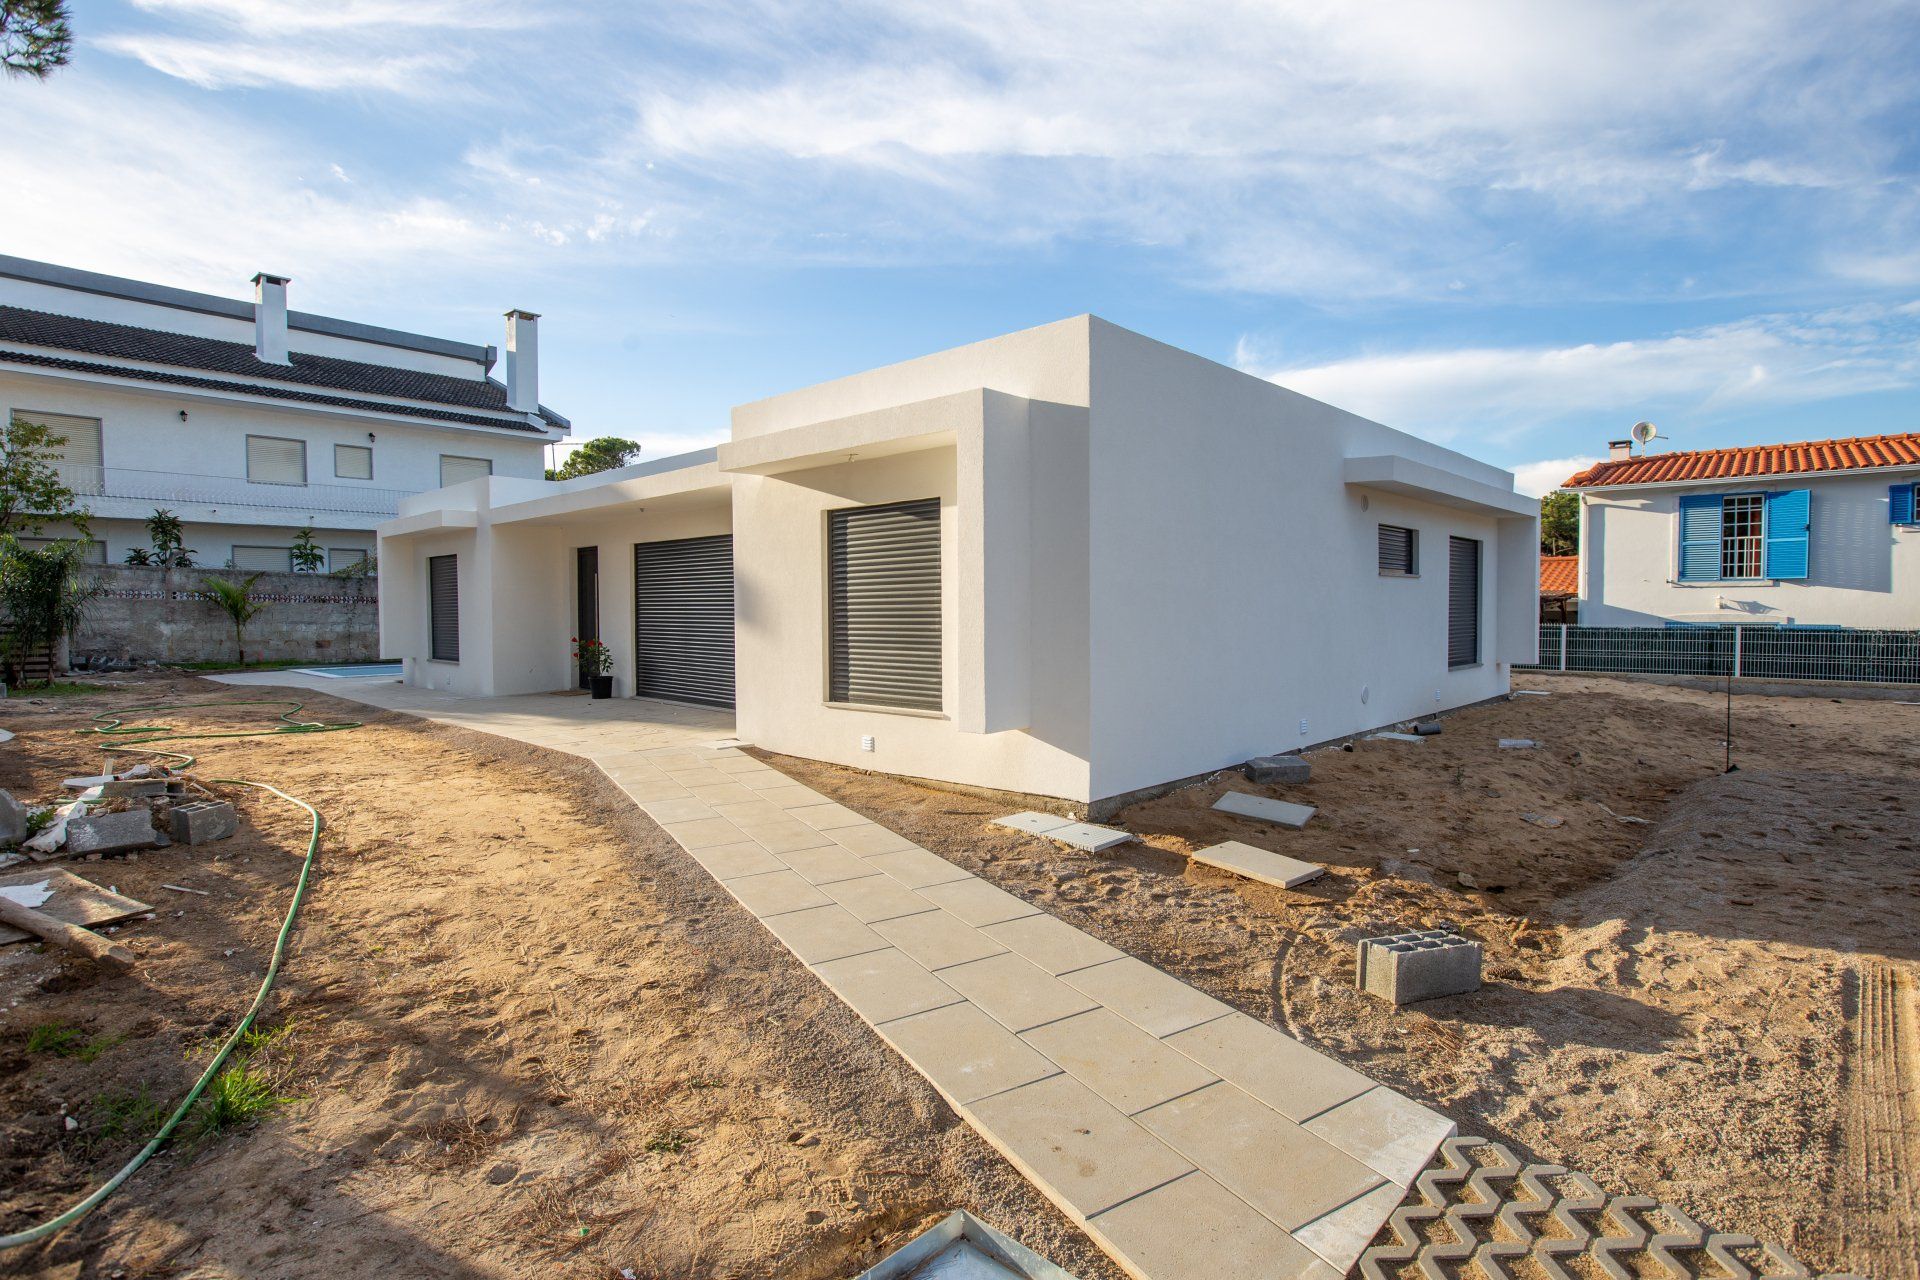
{"x": 112, "y": 724}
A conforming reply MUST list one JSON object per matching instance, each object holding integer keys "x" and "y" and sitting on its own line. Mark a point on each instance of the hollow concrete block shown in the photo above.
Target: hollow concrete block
{"x": 1424, "y": 964}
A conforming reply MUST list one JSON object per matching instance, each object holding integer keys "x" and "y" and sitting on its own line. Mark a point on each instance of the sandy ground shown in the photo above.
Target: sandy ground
{"x": 527, "y": 1037}
{"x": 1715, "y": 1007}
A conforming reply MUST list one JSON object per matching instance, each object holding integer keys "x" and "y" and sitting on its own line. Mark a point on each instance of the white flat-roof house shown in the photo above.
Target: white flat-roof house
{"x": 1071, "y": 562}
{"x": 249, "y": 421}
{"x": 1816, "y": 534}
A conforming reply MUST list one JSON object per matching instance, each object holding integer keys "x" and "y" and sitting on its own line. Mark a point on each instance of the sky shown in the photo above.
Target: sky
{"x": 1512, "y": 228}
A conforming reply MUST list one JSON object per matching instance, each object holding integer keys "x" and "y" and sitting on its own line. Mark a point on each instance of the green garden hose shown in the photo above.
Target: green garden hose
{"x": 113, "y": 725}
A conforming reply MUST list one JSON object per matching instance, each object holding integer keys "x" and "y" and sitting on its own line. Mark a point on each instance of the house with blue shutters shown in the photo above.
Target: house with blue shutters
{"x": 1822, "y": 534}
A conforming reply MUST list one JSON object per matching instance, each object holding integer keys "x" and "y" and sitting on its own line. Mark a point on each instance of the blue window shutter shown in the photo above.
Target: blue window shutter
{"x": 1900, "y": 499}
{"x": 1700, "y": 537}
{"x": 1789, "y": 519}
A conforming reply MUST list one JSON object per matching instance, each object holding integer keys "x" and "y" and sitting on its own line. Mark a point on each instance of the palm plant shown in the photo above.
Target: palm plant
{"x": 235, "y": 599}
{"x": 42, "y": 597}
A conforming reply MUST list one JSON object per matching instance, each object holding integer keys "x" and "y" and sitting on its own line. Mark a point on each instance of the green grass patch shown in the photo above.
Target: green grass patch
{"x": 276, "y": 664}
{"x": 240, "y": 1095}
{"x": 670, "y": 1143}
{"x": 64, "y": 1040}
{"x": 63, "y": 689}
{"x": 119, "y": 1116}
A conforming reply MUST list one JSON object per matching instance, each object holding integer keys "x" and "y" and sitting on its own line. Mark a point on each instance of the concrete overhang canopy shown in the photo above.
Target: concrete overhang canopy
{"x": 1391, "y": 473}
{"x": 438, "y": 520}
{"x": 699, "y": 483}
{"x": 905, "y": 428}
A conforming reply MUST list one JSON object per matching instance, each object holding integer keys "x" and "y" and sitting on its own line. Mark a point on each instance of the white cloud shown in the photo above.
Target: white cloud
{"x": 1537, "y": 479}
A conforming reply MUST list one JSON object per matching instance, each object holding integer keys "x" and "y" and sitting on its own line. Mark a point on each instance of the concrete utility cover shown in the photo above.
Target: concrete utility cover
{"x": 1279, "y": 811}
{"x": 1084, "y": 835}
{"x": 1394, "y": 737}
{"x": 1259, "y": 864}
{"x": 1517, "y": 744}
{"x": 1034, "y": 824}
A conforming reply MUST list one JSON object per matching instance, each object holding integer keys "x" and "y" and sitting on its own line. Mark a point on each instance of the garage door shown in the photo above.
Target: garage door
{"x": 683, "y": 620}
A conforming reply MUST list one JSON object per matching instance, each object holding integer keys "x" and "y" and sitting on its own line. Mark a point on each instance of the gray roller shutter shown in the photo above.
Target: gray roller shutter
{"x": 1397, "y": 551}
{"x": 455, "y": 469}
{"x": 443, "y": 595}
{"x": 262, "y": 559}
{"x": 683, "y": 620}
{"x": 883, "y": 605}
{"x": 78, "y": 452}
{"x": 1463, "y": 602}
{"x": 274, "y": 460}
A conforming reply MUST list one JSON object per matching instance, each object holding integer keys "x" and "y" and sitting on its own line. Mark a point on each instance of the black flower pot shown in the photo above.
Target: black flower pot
{"x": 602, "y": 686}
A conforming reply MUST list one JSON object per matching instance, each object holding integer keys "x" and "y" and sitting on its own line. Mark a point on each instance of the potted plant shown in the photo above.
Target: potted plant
{"x": 597, "y": 662}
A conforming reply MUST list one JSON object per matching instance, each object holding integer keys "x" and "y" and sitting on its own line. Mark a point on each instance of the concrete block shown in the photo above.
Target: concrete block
{"x": 1427, "y": 728}
{"x": 1287, "y": 769}
{"x": 111, "y": 832}
{"x": 13, "y": 819}
{"x": 204, "y": 821}
{"x": 132, "y": 788}
{"x": 1422, "y": 965}
{"x": 1265, "y": 810}
{"x": 1259, "y": 864}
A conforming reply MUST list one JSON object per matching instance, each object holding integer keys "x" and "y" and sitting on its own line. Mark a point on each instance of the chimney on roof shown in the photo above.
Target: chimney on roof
{"x": 1619, "y": 450}
{"x": 270, "y": 319}
{"x": 523, "y": 361}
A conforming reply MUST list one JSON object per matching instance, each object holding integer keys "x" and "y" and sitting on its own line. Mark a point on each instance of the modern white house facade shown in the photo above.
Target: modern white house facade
{"x": 1817, "y": 534}
{"x": 1070, "y": 562}
{"x": 249, "y": 421}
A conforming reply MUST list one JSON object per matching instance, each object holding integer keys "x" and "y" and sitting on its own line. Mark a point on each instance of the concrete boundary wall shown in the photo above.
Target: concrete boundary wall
{"x": 164, "y": 615}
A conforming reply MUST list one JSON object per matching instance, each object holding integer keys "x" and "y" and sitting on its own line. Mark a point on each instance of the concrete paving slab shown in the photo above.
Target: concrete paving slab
{"x": 1117, "y": 1060}
{"x": 822, "y": 934}
{"x": 704, "y": 833}
{"x": 784, "y": 837}
{"x": 1340, "y": 1237}
{"x": 884, "y": 985}
{"x": 1088, "y": 837}
{"x": 724, "y": 793}
{"x": 824, "y": 866}
{"x": 876, "y": 897}
{"x": 826, "y": 816}
{"x": 977, "y": 902}
{"x": 1051, "y": 943}
{"x": 966, "y": 1054}
{"x": 1273, "y": 1164}
{"x": 1034, "y": 824}
{"x": 1156, "y": 1002}
{"x": 766, "y": 780}
{"x": 1195, "y": 1229}
{"x": 868, "y": 839}
{"x": 1276, "y": 869}
{"x": 731, "y": 861}
{"x": 1294, "y": 1080}
{"x": 1065, "y": 1138}
{"x": 749, "y": 812}
{"x": 1391, "y": 1133}
{"x": 791, "y": 796}
{"x": 1280, "y": 812}
{"x": 682, "y": 808}
{"x": 916, "y": 868}
{"x": 1012, "y": 991}
{"x": 775, "y": 892}
{"x": 937, "y": 938}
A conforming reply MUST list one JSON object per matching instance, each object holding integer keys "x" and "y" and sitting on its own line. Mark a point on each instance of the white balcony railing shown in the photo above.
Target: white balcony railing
{"x": 164, "y": 488}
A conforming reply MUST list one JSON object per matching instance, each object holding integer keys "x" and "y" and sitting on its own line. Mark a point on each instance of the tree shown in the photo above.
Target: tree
{"x": 602, "y": 453}
{"x": 42, "y": 597}
{"x": 168, "y": 536}
{"x": 35, "y": 37}
{"x": 307, "y": 555}
{"x": 32, "y": 494}
{"x": 235, "y": 599}
{"x": 1560, "y": 524}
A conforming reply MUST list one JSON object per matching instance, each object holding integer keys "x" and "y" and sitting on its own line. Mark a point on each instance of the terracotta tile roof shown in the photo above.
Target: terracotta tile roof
{"x": 1855, "y": 454}
{"x": 1559, "y": 575}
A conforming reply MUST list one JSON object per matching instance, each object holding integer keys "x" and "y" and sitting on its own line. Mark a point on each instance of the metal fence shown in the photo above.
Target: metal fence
{"x": 1748, "y": 652}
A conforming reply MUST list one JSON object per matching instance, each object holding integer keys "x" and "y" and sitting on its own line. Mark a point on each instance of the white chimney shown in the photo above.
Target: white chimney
{"x": 523, "y": 361}
{"x": 1619, "y": 450}
{"x": 270, "y": 318}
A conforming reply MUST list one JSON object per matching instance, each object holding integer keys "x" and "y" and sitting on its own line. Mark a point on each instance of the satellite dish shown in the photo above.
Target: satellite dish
{"x": 1644, "y": 432}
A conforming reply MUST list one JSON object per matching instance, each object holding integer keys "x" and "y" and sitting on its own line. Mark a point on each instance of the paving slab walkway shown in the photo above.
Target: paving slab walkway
{"x": 1190, "y": 1140}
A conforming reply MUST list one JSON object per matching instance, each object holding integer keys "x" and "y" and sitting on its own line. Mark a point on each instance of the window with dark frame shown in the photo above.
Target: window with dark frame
{"x": 1399, "y": 552}
{"x": 443, "y": 608}
{"x": 883, "y": 606}
{"x": 1742, "y": 535}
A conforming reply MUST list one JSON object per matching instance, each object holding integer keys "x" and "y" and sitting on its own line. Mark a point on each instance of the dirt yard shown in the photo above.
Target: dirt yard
{"x": 1715, "y": 1006}
{"x": 520, "y": 1034}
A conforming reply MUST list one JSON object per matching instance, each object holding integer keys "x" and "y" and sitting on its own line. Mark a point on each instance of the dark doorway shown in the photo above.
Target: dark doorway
{"x": 586, "y": 565}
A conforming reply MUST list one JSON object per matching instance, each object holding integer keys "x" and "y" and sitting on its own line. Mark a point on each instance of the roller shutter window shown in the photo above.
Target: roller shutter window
{"x": 457, "y": 470}
{"x": 275, "y": 460}
{"x": 443, "y": 608}
{"x": 263, "y": 559}
{"x": 79, "y": 452}
{"x": 95, "y": 552}
{"x": 339, "y": 558}
{"x": 1463, "y": 602}
{"x": 353, "y": 462}
{"x": 883, "y": 605}
{"x": 1398, "y": 552}
{"x": 683, "y": 620}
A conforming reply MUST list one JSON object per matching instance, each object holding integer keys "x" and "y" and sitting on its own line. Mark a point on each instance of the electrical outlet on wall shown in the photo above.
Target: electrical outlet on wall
{"x": 1303, "y": 725}
{"x": 866, "y": 743}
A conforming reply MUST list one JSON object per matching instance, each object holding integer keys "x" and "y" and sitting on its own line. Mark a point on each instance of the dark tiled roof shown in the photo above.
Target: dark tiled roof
{"x": 1859, "y": 453}
{"x": 216, "y": 355}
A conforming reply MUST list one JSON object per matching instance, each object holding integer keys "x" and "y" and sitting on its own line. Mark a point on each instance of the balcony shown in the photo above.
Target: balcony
{"x": 126, "y": 492}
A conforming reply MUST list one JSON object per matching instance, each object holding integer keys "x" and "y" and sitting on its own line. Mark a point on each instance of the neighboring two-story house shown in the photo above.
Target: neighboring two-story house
{"x": 249, "y": 421}
{"x": 1817, "y": 534}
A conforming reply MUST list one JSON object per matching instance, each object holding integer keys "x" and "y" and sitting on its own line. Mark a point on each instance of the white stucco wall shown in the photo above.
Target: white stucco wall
{"x": 1862, "y": 571}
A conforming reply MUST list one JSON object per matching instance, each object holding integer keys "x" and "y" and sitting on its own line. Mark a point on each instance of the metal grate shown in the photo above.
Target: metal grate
{"x": 883, "y": 597}
{"x": 443, "y": 597}
{"x": 1463, "y": 602}
{"x": 683, "y": 620}
{"x": 1748, "y": 652}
